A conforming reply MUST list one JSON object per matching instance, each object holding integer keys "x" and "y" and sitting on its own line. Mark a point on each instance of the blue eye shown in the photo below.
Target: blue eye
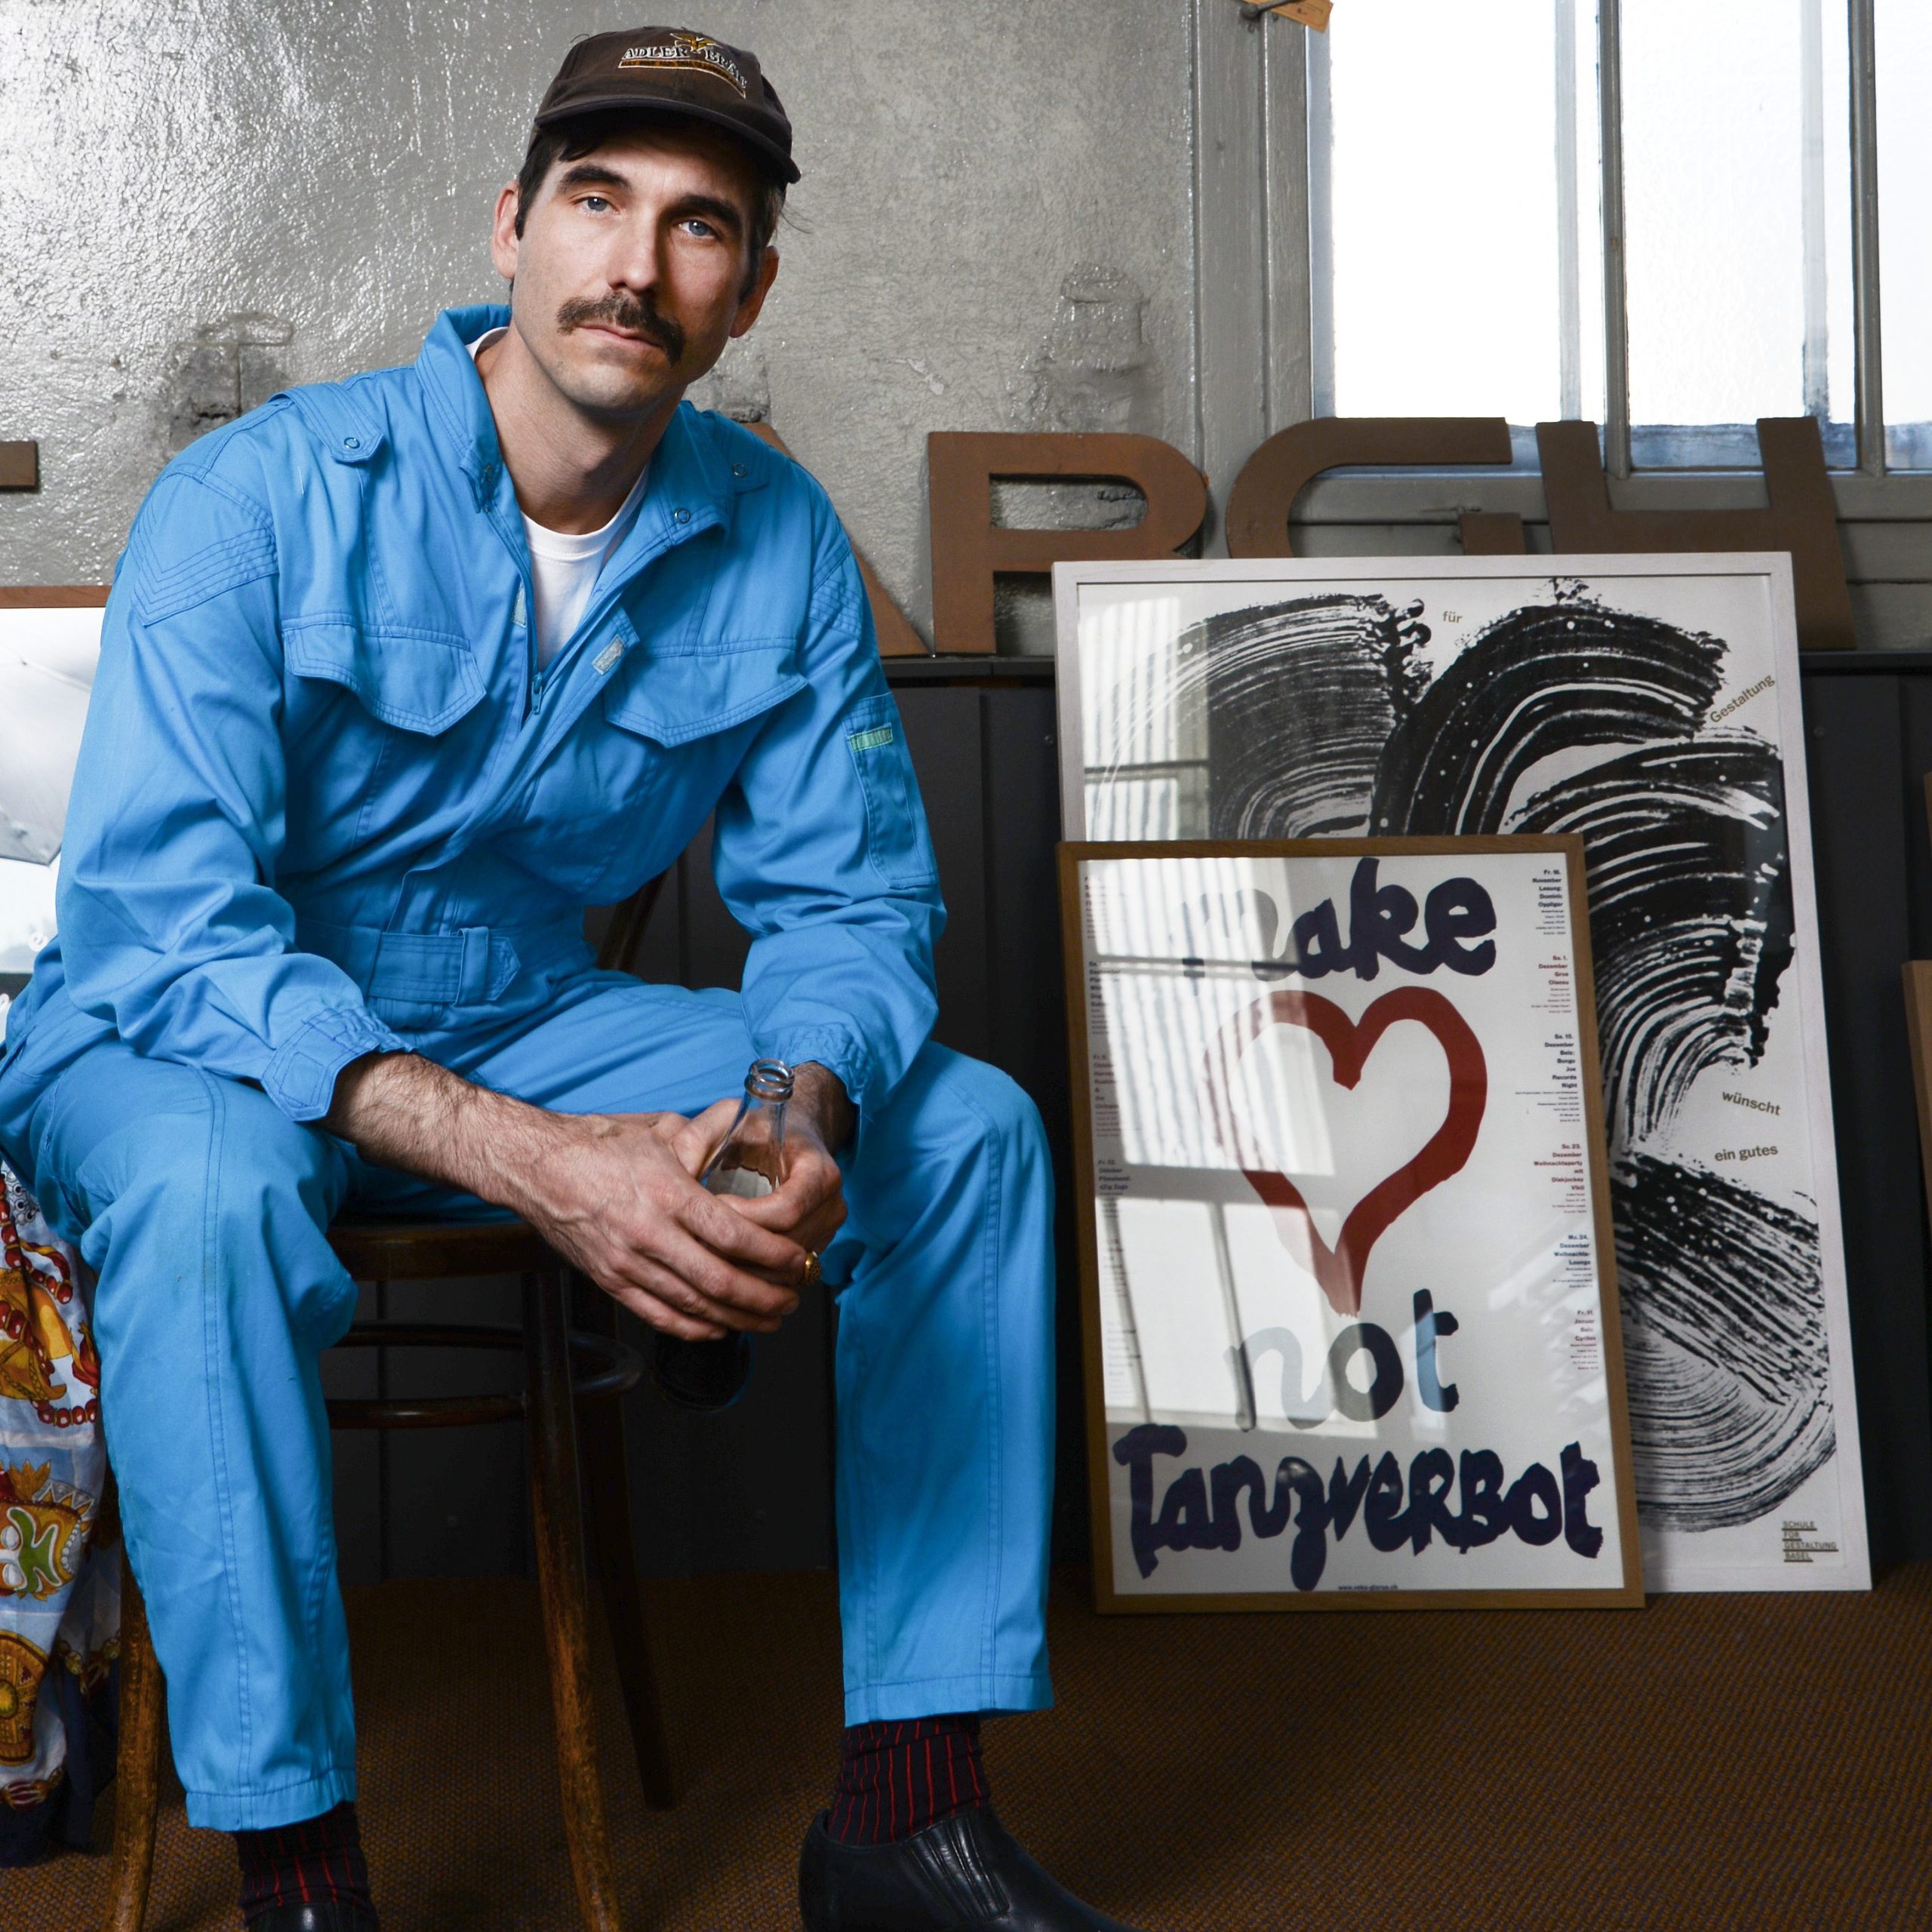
{"x": 593, "y": 202}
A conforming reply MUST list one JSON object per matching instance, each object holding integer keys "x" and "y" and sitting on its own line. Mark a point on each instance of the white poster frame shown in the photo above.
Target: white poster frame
{"x": 1673, "y": 1558}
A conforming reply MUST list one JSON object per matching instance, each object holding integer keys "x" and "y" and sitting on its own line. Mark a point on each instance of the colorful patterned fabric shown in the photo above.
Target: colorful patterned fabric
{"x": 59, "y": 1579}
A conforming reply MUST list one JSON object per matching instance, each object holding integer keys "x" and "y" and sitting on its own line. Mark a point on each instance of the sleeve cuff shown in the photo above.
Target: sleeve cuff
{"x": 300, "y": 1076}
{"x": 841, "y": 1053}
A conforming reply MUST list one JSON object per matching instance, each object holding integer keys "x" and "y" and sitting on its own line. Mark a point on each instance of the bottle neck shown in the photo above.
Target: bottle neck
{"x": 769, "y": 1080}
{"x": 751, "y": 1159}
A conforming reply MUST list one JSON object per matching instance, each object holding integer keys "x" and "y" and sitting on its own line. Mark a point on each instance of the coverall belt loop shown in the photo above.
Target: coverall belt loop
{"x": 475, "y": 973}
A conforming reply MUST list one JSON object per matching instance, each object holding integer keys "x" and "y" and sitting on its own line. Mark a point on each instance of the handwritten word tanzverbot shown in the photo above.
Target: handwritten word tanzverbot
{"x": 1201, "y": 1510}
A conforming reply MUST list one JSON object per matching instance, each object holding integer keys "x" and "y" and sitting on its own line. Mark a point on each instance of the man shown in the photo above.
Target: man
{"x": 398, "y": 675}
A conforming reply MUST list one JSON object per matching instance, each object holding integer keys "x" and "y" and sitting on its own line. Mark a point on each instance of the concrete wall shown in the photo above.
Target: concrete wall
{"x": 204, "y": 201}
{"x": 1084, "y": 214}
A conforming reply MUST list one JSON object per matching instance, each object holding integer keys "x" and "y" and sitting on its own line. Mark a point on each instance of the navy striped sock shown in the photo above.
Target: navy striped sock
{"x": 319, "y": 1860}
{"x": 895, "y": 1779}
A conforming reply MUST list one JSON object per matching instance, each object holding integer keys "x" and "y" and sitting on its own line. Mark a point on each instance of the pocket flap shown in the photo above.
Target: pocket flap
{"x": 417, "y": 680}
{"x": 678, "y": 697}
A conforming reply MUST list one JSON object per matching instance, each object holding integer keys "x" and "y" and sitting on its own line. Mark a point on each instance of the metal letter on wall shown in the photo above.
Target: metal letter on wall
{"x": 1264, "y": 494}
{"x": 969, "y": 551}
{"x": 1802, "y": 518}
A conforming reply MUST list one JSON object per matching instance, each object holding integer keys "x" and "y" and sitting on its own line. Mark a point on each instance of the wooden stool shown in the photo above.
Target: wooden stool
{"x": 604, "y": 1367}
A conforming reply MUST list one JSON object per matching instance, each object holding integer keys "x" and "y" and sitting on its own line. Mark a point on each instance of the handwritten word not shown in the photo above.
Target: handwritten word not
{"x": 1335, "y": 1392}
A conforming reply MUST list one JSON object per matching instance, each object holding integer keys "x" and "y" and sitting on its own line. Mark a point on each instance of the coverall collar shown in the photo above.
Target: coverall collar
{"x": 690, "y": 487}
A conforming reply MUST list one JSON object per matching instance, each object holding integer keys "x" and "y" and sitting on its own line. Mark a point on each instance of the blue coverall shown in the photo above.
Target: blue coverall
{"x": 326, "y": 805}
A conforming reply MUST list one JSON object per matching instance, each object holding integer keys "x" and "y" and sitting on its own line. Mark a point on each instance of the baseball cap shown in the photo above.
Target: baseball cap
{"x": 671, "y": 70}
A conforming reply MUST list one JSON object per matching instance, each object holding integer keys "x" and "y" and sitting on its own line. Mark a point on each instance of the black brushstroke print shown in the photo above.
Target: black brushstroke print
{"x": 1690, "y": 890}
{"x": 1723, "y": 1326}
{"x": 1542, "y": 679}
{"x": 1320, "y": 721}
{"x": 1301, "y": 699}
{"x": 1691, "y": 911}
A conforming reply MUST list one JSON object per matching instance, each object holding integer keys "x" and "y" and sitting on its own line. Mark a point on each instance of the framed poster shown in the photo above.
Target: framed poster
{"x": 1650, "y": 706}
{"x": 1351, "y": 1310}
{"x": 49, "y": 640}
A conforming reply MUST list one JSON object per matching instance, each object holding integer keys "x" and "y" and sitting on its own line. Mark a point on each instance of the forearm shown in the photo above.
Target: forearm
{"x": 616, "y": 1195}
{"x": 819, "y": 1100}
{"x": 402, "y": 1111}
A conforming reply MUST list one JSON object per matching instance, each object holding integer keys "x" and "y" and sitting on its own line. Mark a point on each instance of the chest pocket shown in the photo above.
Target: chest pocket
{"x": 676, "y": 698}
{"x": 420, "y": 681}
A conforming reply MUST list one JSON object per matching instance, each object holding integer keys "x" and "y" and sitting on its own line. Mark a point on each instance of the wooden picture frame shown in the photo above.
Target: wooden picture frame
{"x": 1622, "y": 1586}
{"x": 1917, "y": 974}
{"x": 54, "y": 596}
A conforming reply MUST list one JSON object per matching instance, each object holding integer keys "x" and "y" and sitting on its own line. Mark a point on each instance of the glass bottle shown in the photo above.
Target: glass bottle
{"x": 749, "y": 1163}
{"x": 750, "y": 1160}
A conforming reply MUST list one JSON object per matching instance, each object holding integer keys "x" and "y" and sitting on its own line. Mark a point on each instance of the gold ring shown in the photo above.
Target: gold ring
{"x": 811, "y": 1275}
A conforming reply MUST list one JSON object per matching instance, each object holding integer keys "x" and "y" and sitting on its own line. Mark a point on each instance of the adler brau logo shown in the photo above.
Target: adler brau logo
{"x": 689, "y": 50}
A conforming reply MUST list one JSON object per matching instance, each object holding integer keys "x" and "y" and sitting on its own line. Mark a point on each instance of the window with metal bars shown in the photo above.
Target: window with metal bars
{"x": 1668, "y": 218}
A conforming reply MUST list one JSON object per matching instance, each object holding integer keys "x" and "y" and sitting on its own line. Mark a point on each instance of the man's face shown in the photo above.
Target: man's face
{"x": 629, "y": 276}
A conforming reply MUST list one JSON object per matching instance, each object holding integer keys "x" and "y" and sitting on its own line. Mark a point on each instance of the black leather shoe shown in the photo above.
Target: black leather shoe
{"x": 704, "y": 1375}
{"x": 329, "y": 1917}
{"x": 965, "y": 1874}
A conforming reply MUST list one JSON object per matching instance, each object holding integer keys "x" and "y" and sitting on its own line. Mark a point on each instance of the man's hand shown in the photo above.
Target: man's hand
{"x": 616, "y": 1195}
{"x": 810, "y": 1206}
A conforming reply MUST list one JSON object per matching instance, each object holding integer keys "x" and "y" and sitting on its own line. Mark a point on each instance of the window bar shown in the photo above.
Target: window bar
{"x": 1320, "y": 226}
{"x": 1616, "y": 317}
{"x": 1287, "y": 298}
{"x": 1870, "y": 398}
{"x": 1817, "y": 368}
{"x": 1569, "y": 264}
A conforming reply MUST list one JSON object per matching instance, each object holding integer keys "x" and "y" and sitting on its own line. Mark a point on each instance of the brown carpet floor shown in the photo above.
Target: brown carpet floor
{"x": 1713, "y": 1762}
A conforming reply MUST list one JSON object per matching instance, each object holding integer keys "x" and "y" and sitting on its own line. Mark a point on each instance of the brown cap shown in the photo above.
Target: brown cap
{"x": 671, "y": 70}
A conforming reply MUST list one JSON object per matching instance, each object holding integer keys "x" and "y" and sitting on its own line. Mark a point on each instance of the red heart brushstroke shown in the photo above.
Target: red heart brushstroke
{"x": 1340, "y": 1269}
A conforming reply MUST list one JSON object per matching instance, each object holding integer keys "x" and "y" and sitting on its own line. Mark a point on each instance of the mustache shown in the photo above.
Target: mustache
{"x": 627, "y": 312}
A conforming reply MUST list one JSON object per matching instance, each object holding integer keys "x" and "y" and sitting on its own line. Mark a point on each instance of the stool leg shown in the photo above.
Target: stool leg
{"x": 606, "y": 1484}
{"x": 138, "y": 1764}
{"x": 556, "y": 1512}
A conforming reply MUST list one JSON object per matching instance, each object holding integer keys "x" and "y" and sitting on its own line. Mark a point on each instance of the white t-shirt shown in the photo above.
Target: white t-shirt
{"x": 564, "y": 565}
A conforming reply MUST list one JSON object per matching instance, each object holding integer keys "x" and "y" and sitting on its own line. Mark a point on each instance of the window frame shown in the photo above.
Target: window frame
{"x": 1868, "y": 407}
